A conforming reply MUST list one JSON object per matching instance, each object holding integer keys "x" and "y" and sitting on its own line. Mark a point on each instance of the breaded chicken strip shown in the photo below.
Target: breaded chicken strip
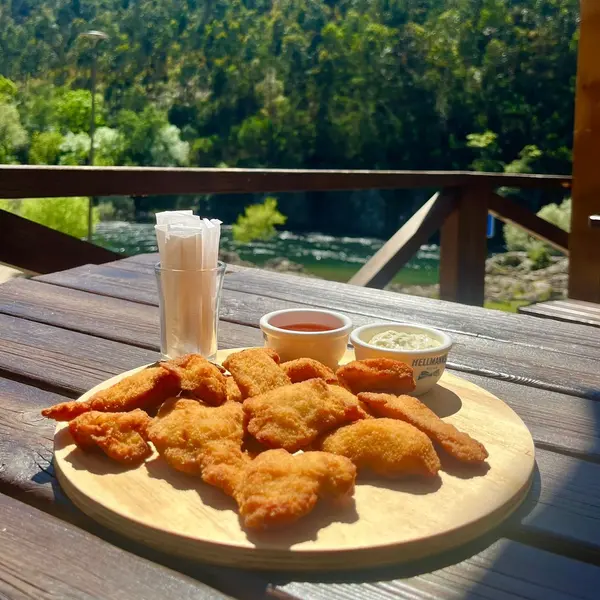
{"x": 256, "y": 371}
{"x": 292, "y": 416}
{"x": 147, "y": 390}
{"x": 121, "y": 436}
{"x": 302, "y": 369}
{"x": 386, "y": 447}
{"x": 199, "y": 378}
{"x": 458, "y": 444}
{"x": 192, "y": 437}
{"x": 277, "y": 488}
{"x": 233, "y": 391}
{"x": 377, "y": 375}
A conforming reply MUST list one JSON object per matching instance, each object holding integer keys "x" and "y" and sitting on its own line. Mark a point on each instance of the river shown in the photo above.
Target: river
{"x": 335, "y": 258}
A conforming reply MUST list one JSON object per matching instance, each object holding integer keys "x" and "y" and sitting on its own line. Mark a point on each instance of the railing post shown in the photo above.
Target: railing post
{"x": 584, "y": 241}
{"x": 463, "y": 248}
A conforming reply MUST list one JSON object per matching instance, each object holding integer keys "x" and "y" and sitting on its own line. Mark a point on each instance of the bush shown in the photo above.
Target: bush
{"x": 68, "y": 215}
{"x": 539, "y": 255}
{"x": 516, "y": 238}
{"x": 258, "y": 222}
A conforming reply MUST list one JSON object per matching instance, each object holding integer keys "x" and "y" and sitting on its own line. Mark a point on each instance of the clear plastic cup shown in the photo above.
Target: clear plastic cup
{"x": 189, "y": 310}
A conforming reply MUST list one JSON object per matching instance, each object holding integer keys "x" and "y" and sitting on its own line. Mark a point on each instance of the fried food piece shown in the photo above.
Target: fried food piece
{"x": 199, "y": 377}
{"x": 385, "y": 446}
{"x": 146, "y": 389}
{"x": 277, "y": 488}
{"x": 348, "y": 397}
{"x": 233, "y": 391}
{"x": 303, "y": 369}
{"x": 458, "y": 444}
{"x": 256, "y": 371}
{"x": 292, "y": 416}
{"x": 193, "y": 438}
{"x": 121, "y": 436}
{"x": 377, "y": 375}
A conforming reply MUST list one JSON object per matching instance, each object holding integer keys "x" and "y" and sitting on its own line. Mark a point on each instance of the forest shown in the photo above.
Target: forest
{"x": 365, "y": 84}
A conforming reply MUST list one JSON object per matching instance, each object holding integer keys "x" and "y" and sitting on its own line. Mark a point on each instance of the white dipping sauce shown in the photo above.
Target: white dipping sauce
{"x": 401, "y": 340}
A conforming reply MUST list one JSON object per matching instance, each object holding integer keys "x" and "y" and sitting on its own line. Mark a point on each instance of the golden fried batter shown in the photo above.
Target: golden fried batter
{"x": 377, "y": 375}
{"x": 384, "y": 446}
{"x": 121, "y": 436}
{"x": 277, "y": 488}
{"x": 256, "y": 371}
{"x": 233, "y": 391}
{"x": 458, "y": 444}
{"x": 292, "y": 416}
{"x": 303, "y": 369}
{"x": 192, "y": 437}
{"x": 199, "y": 377}
{"x": 146, "y": 389}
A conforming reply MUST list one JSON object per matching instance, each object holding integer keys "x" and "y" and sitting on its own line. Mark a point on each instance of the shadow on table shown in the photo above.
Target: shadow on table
{"x": 422, "y": 566}
{"x": 442, "y": 401}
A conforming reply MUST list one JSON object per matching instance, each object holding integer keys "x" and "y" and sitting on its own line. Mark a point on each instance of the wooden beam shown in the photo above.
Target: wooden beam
{"x": 510, "y": 212}
{"x": 405, "y": 243}
{"x": 463, "y": 248}
{"x": 584, "y": 262}
{"x": 31, "y": 246}
{"x": 41, "y": 181}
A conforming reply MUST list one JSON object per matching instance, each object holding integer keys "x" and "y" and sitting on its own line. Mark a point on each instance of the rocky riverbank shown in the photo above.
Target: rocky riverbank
{"x": 510, "y": 276}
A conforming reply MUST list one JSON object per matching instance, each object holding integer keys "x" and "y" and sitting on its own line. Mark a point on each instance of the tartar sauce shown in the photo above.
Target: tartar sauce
{"x": 400, "y": 340}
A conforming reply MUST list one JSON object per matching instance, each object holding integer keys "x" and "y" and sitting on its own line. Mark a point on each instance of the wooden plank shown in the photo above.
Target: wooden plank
{"x": 72, "y": 362}
{"x": 42, "y": 181}
{"x": 505, "y": 570}
{"x": 572, "y": 311}
{"x": 102, "y": 316}
{"x": 516, "y": 359}
{"x": 463, "y": 248}
{"x": 36, "y": 248}
{"x": 44, "y": 557}
{"x": 381, "y": 268}
{"x": 510, "y": 212}
{"x": 564, "y": 504}
{"x": 138, "y": 285}
{"x": 584, "y": 264}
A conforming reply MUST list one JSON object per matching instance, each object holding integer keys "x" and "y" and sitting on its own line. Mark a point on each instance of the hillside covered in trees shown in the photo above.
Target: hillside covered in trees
{"x": 378, "y": 84}
{"x": 290, "y": 83}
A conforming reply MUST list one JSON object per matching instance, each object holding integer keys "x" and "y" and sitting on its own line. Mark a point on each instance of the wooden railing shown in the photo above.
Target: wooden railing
{"x": 459, "y": 210}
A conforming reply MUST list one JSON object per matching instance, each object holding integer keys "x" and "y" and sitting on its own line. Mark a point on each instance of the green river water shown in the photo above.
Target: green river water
{"x": 330, "y": 257}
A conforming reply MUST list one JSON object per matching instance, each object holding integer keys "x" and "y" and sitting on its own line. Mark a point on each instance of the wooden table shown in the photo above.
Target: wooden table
{"x": 62, "y": 333}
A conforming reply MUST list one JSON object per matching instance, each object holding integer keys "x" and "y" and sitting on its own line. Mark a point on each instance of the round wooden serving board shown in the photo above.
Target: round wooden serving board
{"x": 391, "y": 521}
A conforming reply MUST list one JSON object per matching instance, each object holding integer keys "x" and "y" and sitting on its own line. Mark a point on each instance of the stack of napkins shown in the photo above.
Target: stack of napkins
{"x": 189, "y": 251}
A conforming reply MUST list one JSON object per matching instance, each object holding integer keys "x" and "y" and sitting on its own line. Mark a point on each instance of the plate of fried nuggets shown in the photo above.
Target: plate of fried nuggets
{"x": 310, "y": 429}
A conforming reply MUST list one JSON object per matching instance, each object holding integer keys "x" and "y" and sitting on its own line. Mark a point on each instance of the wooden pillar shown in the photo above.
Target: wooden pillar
{"x": 463, "y": 248}
{"x": 584, "y": 241}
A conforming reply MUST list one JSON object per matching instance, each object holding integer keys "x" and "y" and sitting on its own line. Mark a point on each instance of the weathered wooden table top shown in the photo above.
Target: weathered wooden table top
{"x": 63, "y": 333}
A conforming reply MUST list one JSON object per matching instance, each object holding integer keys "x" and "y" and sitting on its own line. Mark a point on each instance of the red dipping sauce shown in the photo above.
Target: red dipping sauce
{"x": 307, "y": 327}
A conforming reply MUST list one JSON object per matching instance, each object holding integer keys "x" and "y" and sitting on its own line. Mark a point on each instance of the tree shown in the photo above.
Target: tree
{"x": 13, "y": 136}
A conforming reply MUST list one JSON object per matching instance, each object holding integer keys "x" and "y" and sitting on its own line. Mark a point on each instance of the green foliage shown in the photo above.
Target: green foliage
{"x": 75, "y": 148}
{"x": 45, "y": 148}
{"x": 258, "y": 222}
{"x": 539, "y": 255}
{"x": 73, "y": 110}
{"x": 8, "y": 90}
{"x": 68, "y": 215}
{"x": 13, "y": 136}
{"x": 374, "y": 84}
{"x": 516, "y": 238}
